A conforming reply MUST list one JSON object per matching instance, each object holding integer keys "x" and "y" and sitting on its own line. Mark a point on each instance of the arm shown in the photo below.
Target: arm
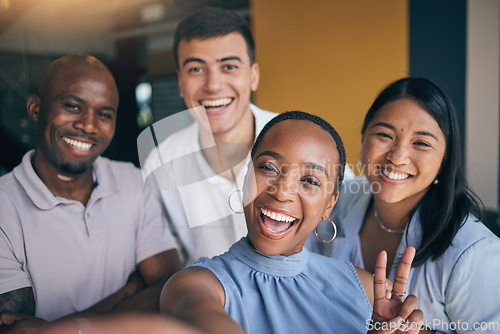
{"x": 194, "y": 295}
{"x": 142, "y": 291}
{"x": 17, "y": 309}
{"x": 155, "y": 271}
{"x": 125, "y": 323}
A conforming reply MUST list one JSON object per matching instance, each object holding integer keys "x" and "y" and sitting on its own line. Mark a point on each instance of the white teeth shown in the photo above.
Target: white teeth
{"x": 277, "y": 216}
{"x": 395, "y": 176}
{"x": 78, "y": 144}
{"x": 216, "y": 103}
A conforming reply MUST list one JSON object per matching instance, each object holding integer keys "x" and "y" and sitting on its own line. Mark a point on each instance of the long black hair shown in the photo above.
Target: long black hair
{"x": 446, "y": 205}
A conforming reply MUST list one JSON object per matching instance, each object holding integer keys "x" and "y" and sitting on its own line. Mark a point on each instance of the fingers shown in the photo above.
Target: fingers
{"x": 414, "y": 317}
{"x": 379, "y": 279}
{"x": 401, "y": 278}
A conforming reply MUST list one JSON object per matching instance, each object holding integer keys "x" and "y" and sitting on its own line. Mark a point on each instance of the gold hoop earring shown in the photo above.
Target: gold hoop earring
{"x": 240, "y": 200}
{"x": 334, "y": 232}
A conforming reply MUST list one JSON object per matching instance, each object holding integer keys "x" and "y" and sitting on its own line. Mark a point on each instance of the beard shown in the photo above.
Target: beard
{"x": 73, "y": 167}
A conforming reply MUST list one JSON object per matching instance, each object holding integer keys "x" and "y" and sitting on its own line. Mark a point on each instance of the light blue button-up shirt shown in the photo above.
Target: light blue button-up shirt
{"x": 458, "y": 293}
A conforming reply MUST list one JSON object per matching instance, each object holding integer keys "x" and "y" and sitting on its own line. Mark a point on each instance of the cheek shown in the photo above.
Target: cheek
{"x": 313, "y": 205}
{"x": 430, "y": 165}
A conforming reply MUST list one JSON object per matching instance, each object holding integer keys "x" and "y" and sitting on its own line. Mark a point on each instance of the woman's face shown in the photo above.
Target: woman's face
{"x": 402, "y": 151}
{"x": 295, "y": 168}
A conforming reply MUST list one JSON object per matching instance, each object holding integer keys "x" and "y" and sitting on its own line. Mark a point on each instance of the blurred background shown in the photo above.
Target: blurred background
{"x": 327, "y": 57}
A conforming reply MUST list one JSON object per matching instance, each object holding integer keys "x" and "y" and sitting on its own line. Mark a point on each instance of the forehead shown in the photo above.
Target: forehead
{"x": 407, "y": 113}
{"x": 85, "y": 81}
{"x": 301, "y": 141}
{"x": 214, "y": 48}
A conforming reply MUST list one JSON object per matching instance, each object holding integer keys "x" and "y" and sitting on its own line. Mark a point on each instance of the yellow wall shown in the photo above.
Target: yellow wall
{"x": 329, "y": 57}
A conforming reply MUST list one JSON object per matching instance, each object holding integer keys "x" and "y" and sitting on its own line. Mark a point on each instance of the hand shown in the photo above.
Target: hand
{"x": 391, "y": 312}
{"x": 14, "y": 322}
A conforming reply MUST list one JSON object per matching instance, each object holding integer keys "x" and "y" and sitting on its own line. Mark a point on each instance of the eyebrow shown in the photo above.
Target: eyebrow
{"x": 80, "y": 100}
{"x": 420, "y": 133}
{"x": 271, "y": 154}
{"x": 310, "y": 165}
{"x": 313, "y": 165}
{"x": 229, "y": 58}
{"x": 193, "y": 60}
{"x": 199, "y": 60}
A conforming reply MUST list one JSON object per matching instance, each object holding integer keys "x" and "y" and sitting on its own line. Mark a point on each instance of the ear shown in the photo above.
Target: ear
{"x": 33, "y": 106}
{"x": 330, "y": 205}
{"x": 254, "y": 77}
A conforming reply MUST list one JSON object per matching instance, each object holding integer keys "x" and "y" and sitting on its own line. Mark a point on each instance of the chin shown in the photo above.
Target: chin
{"x": 73, "y": 168}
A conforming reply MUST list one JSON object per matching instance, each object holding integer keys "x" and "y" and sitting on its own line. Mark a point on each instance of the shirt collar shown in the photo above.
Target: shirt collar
{"x": 43, "y": 198}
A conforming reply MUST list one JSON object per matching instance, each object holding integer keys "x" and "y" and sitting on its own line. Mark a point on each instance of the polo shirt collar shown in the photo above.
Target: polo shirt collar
{"x": 43, "y": 198}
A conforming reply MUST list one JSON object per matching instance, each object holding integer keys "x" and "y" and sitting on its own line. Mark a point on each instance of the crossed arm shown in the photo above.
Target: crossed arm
{"x": 140, "y": 293}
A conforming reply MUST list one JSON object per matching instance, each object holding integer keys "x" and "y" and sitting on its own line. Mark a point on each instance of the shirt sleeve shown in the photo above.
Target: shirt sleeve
{"x": 154, "y": 234}
{"x": 13, "y": 272}
{"x": 472, "y": 297}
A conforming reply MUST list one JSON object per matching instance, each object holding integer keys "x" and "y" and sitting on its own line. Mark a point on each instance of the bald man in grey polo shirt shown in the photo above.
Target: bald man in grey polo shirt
{"x": 75, "y": 226}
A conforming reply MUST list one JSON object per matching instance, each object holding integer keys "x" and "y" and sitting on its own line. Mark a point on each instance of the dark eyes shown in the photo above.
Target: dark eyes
{"x": 195, "y": 69}
{"x": 77, "y": 108}
{"x": 312, "y": 182}
{"x": 418, "y": 143}
{"x": 270, "y": 169}
{"x": 105, "y": 115}
{"x": 421, "y": 143}
{"x": 230, "y": 67}
{"x": 384, "y": 135}
{"x": 72, "y": 106}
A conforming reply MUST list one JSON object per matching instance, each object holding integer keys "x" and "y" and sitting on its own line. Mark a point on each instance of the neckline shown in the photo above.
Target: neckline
{"x": 279, "y": 265}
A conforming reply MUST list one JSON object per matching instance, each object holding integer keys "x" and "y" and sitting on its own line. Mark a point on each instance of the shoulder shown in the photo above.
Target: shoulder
{"x": 12, "y": 195}
{"x": 471, "y": 252}
{"x": 471, "y": 237}
{"x": 176, "y": 140}
{"x": 7, "y": 183}
{"x": 262, "y": 117}
{"x": 329, "y": 266}
{"x": 330, "y": 270}
{"x": 171, "y": 147}
{"x": 117, "y": 168}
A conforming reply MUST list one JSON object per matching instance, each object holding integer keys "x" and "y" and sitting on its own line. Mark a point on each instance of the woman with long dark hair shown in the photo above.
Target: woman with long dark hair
{"x": 415, "y": 193}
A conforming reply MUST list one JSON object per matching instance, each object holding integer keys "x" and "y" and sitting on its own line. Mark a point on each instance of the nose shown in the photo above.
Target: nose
{"x": 283, "y": 189}
{"x": 213, "y": 81}
{"x": 399, "y": 154}
{"x": 87, "y": 122}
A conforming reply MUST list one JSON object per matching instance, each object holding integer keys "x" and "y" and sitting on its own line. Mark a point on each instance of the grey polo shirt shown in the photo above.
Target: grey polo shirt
{"x": 70, "y": 254}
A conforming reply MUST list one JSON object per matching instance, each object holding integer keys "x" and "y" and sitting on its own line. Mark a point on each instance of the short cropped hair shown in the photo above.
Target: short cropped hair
{"x": 212, "y": 22}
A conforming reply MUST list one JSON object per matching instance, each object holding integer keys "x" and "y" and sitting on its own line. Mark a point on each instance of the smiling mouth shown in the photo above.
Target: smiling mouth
{"x": 218, "y": 103}
{"x": 276, "y": 224}
{"x": 77, "y": 144}
{"x": 395, "y": 176}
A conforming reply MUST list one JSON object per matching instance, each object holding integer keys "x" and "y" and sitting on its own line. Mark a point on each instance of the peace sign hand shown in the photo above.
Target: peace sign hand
{"x": 394, "y": 314}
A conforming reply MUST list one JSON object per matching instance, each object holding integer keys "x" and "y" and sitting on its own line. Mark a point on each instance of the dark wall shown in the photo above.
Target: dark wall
{"x": 438, "y": 31}
{"x": 126, "y": 69}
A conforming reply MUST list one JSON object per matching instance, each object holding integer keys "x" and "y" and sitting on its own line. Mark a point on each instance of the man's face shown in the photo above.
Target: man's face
{"x": 216, "y": 73}
{"x": 76, "y": 119}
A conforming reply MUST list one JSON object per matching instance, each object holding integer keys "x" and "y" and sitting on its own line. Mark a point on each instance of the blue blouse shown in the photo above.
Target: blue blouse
{"x": 458, "y": 292}
{"x": 301, "y": 293}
